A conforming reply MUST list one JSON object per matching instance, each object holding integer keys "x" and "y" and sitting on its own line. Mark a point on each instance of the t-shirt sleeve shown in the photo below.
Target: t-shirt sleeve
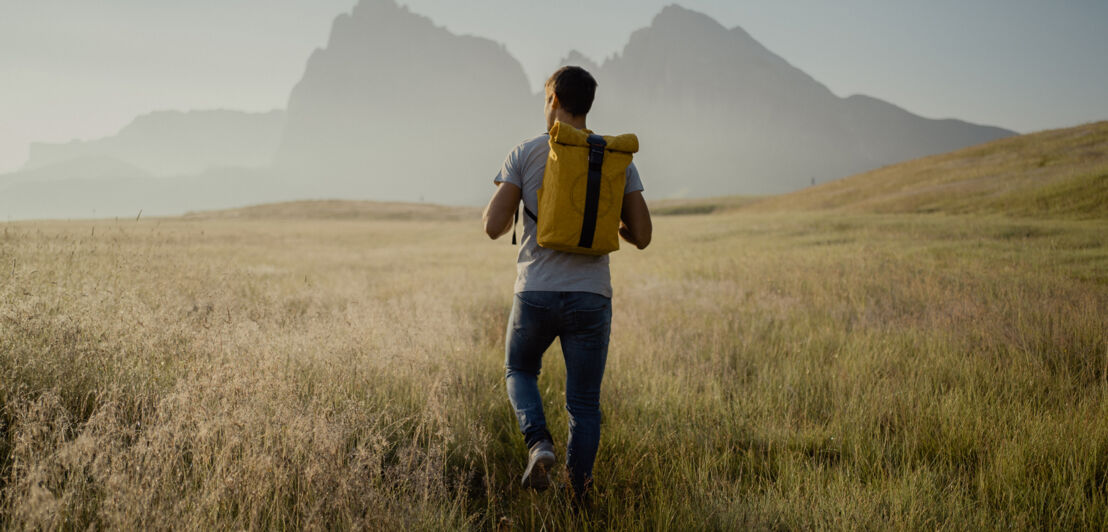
{"x": 634, "y": 182}
{"x": 510, "y": 171}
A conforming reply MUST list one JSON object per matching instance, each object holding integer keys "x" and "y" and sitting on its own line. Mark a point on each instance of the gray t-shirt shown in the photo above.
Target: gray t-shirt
{"x": 540, "y": 268}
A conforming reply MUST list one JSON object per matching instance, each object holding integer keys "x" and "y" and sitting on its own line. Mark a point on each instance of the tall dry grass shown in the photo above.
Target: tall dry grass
{"x": 766, "y": 371}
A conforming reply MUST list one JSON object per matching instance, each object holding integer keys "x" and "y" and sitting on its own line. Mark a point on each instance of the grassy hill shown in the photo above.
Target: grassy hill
{"x": 1062, "y": 172}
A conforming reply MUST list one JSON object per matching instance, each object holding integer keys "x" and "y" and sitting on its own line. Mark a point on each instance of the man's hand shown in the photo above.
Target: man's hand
{"x": 498, "y": 213}
{"x": 635, "y": 226}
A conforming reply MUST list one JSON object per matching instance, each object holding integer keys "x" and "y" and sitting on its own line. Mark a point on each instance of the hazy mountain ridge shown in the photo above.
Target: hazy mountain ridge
{"x": 166, "y": 143}
{"x": 396, "y": 108}
{"x": 716, "y": 111}
{"x": 742, "y": 120}
{"x": 80, "y": 167}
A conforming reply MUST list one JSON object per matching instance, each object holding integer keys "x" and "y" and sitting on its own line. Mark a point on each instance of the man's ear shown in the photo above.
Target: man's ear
{"x": 555, "y": 103}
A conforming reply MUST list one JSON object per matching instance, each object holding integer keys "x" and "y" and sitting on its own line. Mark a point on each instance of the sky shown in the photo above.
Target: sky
{"x": 80, "y": 69}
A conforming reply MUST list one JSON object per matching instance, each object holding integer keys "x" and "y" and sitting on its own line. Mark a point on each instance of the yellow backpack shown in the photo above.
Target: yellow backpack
{"x": 582, "y": 190}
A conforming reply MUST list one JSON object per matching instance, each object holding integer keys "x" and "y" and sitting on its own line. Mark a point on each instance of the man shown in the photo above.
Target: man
{"x": 558, "y": 294}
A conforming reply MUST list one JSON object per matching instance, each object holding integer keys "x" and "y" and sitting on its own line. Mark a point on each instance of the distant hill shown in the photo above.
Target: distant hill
{"x": 1062, "y": 172}
{"x": 718, "y": 113}
{"x": 343, "y": 210}
{"x": 165, "y": 162}
{"x": 167, "y": 143}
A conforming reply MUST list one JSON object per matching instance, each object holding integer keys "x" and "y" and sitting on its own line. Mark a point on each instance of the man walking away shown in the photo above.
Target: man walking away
{"x": 559, "y": 294}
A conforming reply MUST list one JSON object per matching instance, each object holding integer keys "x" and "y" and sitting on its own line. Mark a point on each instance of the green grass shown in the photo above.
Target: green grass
{"x": 767, "y": 370}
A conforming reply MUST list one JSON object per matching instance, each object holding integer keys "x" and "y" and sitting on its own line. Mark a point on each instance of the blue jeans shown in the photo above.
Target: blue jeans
{"x": 582, "y": 321}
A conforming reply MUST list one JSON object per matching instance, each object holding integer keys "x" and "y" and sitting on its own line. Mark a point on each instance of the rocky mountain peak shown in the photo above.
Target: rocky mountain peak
{"x": 575, "y": 58}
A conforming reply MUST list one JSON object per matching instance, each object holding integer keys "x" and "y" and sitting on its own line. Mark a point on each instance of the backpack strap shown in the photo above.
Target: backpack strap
{"x": 515, "y": 219}
{"x": 592, "y": 191}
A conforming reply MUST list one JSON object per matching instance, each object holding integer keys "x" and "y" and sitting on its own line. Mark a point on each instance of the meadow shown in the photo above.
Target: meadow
{"x": 320, "y": 366}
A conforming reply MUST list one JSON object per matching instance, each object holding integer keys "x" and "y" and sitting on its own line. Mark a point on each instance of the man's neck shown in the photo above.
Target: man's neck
{"x": 577, "y": 121}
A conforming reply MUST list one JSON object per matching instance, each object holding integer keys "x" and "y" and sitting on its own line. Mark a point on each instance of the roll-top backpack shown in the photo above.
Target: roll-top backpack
{"x": 582, "y": 190}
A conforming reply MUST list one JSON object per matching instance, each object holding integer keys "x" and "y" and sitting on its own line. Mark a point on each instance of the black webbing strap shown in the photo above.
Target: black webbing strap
{"x": 592, "y": 191}
{"x": 515, "y": 219}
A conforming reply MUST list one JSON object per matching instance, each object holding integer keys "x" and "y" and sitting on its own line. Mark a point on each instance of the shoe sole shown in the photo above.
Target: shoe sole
{"x": 537, "y": 475}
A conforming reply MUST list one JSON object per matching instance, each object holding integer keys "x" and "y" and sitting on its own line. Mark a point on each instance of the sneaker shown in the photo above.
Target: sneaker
{"x": 537, "y": 475}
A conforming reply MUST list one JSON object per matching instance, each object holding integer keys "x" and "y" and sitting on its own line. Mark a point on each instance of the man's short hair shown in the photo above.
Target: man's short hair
{"x": 575, "y": 89}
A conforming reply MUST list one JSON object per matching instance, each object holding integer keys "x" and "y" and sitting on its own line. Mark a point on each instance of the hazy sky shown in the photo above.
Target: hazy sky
{"x": 79, "y": 69}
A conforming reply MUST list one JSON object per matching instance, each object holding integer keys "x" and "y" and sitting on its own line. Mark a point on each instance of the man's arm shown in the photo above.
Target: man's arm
{"x": 498, "y": 213}
{"x": 635, "y": 226}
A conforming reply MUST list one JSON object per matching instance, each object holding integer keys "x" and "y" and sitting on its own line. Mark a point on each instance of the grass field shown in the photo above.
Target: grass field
{"x": 767, "y": 370}
{"x": 869, "y": 353}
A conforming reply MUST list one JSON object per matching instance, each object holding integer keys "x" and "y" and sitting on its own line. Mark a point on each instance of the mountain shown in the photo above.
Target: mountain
{"x": 1057, "y": 173}
{"x": 717, "y": 113}
{"x": 396, "y": 108}
{"x": 166, "y": 143}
